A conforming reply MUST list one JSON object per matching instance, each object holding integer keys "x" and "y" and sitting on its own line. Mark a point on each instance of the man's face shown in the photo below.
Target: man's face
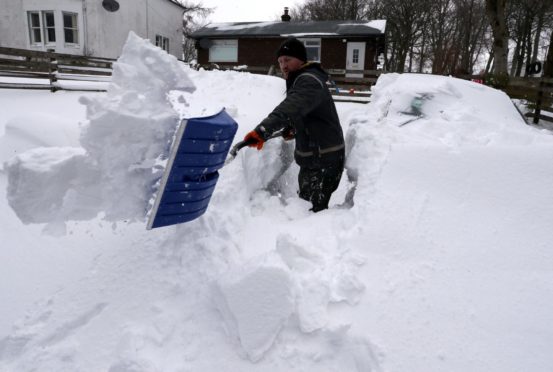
{"x": 289, "y": 64}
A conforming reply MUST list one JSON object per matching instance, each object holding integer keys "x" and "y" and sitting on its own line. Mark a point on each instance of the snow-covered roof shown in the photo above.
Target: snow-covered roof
{"x": 283, "y": 29}
{"x": 177, "y": 3}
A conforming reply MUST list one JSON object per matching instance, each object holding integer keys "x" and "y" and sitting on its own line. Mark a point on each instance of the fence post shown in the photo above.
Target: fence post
{"x": 537, "y": 113}
{"x": 52, "y": 69}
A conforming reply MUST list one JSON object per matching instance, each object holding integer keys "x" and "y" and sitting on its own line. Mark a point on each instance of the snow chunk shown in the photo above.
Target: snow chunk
{"x": 147, "y": 69}
{"x": 256, "y": 301}
{"x": 133, "y": 125}
{"x": 39, "y": 181}
{"x": 319, "y": 279}
{"x": 30, "y": 130}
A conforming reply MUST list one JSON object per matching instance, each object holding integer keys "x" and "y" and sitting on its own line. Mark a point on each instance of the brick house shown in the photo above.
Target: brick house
{"x": 348, "y": 46}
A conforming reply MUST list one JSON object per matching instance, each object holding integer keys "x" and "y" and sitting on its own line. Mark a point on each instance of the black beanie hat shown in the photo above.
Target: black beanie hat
{"x": 294, "y": 48}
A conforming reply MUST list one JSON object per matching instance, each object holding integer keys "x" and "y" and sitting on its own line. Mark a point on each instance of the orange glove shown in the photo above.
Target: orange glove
{"x": 254, "y": 140}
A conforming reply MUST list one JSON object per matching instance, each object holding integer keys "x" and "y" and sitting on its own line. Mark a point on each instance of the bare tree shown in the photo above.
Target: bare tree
{"x": 471, "y": 37}
{"x": 323, "y": 10}
{"x": 195, "y": 17}
{"x": 448, "y": 36}
{"x": 527, "y": 20}
{"x": 443, "y": 33}
{"x": 495, "y": 10}
{"x": 548, "y": 68}
{"x": 404, "y": 29}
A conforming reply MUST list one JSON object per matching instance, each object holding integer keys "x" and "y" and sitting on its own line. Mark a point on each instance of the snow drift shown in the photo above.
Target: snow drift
{"x": 434, "y": 255}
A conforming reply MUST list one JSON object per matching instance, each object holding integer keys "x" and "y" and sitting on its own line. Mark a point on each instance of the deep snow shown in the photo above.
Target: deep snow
{"x": 436, "y": 253}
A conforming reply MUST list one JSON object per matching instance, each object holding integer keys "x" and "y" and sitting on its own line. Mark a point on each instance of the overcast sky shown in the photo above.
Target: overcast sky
{"x": 247, "y": 10}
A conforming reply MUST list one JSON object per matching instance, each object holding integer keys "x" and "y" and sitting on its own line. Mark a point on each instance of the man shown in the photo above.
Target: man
{"x": 309, "y": 115}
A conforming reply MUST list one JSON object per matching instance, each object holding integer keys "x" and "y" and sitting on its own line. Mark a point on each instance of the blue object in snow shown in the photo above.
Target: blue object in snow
{"x": 200, "y": 149}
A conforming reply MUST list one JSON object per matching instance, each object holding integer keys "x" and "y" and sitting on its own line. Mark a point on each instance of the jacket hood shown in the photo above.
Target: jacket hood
{"x": 312, "y": 67}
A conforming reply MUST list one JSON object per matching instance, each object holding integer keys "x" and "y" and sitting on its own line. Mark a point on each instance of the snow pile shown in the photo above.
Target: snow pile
{"x": 455, "y": 115}
{"x": 454, "y": 112}
{"x": 129, "y": 129}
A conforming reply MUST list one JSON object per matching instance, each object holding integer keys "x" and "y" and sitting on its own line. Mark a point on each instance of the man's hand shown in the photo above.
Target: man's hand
{"x": 253, "y": 139}
{"x": 289, "y": 133}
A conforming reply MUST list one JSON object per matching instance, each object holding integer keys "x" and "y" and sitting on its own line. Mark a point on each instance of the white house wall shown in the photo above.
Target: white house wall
{"x": 147, "y": 18}
{"x": 11, "y": 15}
{"x": 101, "y": 33}
{"x": 165, "y": 18}
{"x": 108, "y": 31}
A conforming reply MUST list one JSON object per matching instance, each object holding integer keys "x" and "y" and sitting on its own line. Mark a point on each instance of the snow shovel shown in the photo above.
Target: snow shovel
{"x": 198, "y": 151}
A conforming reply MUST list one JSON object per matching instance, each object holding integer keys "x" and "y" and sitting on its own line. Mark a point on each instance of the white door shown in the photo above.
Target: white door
{"x": 355, "y": 59}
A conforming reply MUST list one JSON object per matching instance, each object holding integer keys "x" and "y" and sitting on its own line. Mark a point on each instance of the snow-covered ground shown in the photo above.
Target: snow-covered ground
{"x": 436, "y": 253}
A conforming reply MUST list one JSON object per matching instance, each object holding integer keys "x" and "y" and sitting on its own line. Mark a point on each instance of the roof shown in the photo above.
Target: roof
{"x": 177, "y": 3}
{"x": 286, "y": 29}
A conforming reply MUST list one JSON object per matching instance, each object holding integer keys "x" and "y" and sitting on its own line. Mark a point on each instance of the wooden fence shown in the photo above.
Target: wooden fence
{"x": 55, "y": 71}
{"x": 353, "y": 89}
{"x": 52, "y": 71}
{"x": 538, "y": 92}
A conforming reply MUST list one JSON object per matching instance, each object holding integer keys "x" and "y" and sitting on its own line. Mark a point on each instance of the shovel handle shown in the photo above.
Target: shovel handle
{"x": 240, "y": 145}
{"x": 234, "y": 151}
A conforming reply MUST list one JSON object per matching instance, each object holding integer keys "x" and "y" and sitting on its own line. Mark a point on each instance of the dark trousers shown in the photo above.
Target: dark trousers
{"x": 318, "y": 184}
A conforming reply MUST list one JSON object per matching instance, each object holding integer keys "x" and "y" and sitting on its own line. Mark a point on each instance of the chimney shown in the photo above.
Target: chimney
{"x": 285, "y": 17}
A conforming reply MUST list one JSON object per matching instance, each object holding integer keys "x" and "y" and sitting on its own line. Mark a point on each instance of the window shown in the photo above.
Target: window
{"x": 49, "y": 27}
{"x": 313, "y": 48}
{"x": 223, "y": 51}
{"x": 355, "y": 58}
{"x": 70, "y": 29}
{"x": 34, "y": 27}
{"x": 162, "y": 42}
{"x": 42, "y": 27}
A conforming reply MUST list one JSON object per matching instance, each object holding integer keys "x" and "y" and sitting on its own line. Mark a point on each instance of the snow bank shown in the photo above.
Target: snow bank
{"x": 128, "y": 130}
{"x": 417, "y": 275}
